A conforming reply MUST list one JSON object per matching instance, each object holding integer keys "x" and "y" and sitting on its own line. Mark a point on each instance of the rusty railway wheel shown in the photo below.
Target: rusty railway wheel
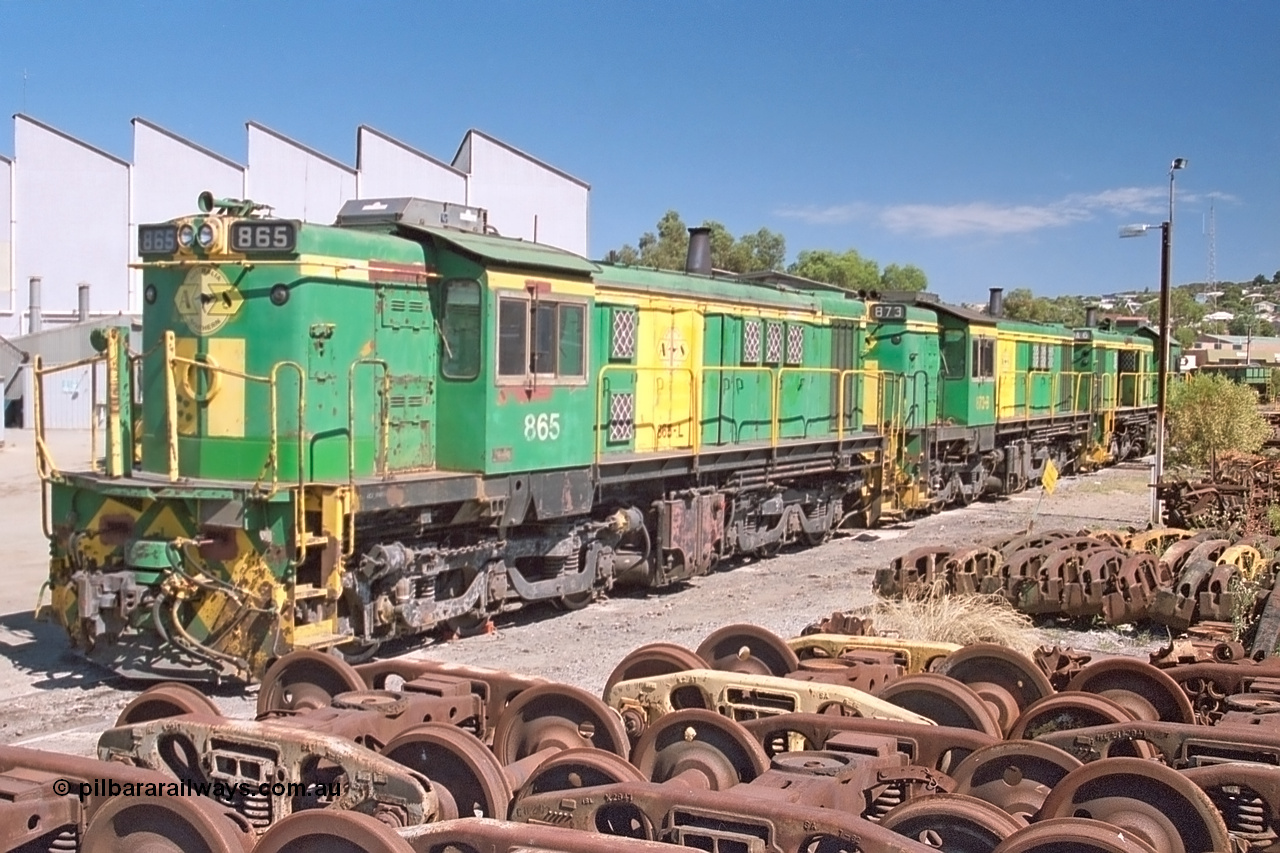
{"x": 1006, "y": 680}
{"x": 304, "y": 680}
{"x": 166, "y": 700}
{"x": 748, "y": 649}
{"x": 952, "y": 822}
{"x": 1065, "y": 711}
{"x": 1147, "y": 692}
{"x": 1015, "y": 776}
{"x": 944, "y": 700}
{"x": 165, "y": 825}
{"x": 651, "y": 660}
{"x": 1073, "y": 835}
{"x": 578, "y": 768}
{"x": 557, "y": 715}
{"x": 324, "y": 831}
{"x": 1150, "y": 800}
{"x": 701, "y": 742}
{"x": 458, "y": 762}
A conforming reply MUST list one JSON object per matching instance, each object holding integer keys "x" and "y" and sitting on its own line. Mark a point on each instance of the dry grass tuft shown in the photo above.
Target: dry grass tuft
{"x": 961, "y": 619}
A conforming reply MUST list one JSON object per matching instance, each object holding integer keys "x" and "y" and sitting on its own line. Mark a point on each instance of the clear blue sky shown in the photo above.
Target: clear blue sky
{"x": 990, "y": 143}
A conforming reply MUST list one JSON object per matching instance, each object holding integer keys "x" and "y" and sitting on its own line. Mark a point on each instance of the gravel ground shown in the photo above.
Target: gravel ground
{"x": 54, "y": 700}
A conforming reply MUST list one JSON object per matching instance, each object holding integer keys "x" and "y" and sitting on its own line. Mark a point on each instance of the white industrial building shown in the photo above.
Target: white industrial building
{"x": 73, "y": 208}
{"x": 73, "y": 211}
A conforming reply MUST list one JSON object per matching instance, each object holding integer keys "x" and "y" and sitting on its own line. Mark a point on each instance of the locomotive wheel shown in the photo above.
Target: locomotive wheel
{"x": 1150, "y": 800}
{"x": 458, "y": 762}
{"x": 1146, "y": 692}
{"x": 952, "y": 822}
{"x": 748, "y": 649}
{"x": 324, "y": 831}
{"x": 573, "y": 603}
{"x": 1007, "y": 681}
{"x": 556, "y": 715}
{"x": 304, "y": 680}
{"x": 354, "y": 653}
{"x": 166, "y": 700}
{"x": 1065, "y": 711}
{"x": 651, "y": 660}
{"x": 165, "y": 824}
{"x": 1074, "y": 834}
{"x": 1014, "y": 776}
{"x": 579, "y": 768}
{"x": 721, "y": 751}
{"x": 944, "y": 700}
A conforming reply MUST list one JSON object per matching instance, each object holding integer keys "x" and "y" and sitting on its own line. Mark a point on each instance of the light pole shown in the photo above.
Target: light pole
{"x": 1162, "y": 369}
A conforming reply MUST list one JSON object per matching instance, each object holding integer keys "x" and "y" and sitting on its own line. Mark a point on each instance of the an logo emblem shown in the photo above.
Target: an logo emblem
{"x": 206, "y": 300}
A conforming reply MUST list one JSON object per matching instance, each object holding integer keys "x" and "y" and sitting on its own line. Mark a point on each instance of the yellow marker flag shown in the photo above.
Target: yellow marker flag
{"x": 1049, "y": 478}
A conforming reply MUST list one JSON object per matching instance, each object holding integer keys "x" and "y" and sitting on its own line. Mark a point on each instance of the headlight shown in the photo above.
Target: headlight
{"x": 186, "y": 236}
{"x": 206, "y": 235}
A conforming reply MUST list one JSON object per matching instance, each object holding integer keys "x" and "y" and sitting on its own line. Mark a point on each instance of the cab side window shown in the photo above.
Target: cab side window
{"x": 460, "y": 329}
{"x": 543, "y": 338}
{"x": 983, "y": 364}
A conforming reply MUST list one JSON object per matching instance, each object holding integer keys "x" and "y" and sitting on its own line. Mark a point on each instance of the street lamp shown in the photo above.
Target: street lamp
{"x": 1162, "y": 375}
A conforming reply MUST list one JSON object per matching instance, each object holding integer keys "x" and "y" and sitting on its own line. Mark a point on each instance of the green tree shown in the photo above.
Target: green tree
{"x": 908, "y": 277}
{"x": 846, "y": 269}
{"x": 1022, "y": 304}
{"x": 1209, "y": 415}
{"x": 668, "y": 248}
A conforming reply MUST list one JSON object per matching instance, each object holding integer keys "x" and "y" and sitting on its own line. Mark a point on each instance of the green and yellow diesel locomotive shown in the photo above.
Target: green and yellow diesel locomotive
{"x": 338, "y": 435}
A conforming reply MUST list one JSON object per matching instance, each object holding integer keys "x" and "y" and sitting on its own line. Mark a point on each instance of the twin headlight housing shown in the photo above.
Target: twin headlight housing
{"x": 204, "y": 236}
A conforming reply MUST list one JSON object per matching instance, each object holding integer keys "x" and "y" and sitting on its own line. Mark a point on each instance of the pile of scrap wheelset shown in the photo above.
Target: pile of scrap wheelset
{"x": 825, "y": 743}
{"x": 1211, "y": 583}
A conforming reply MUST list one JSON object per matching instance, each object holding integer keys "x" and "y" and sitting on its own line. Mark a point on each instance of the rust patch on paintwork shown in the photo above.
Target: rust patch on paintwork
{"x": 366, "y": 349}
{"x": 395, "y": 496}
{"x": 502, "y": 396}
{"x": 115, "y": 530}
{"x": 535, "y": 285}
{"x": 541, "y": 392}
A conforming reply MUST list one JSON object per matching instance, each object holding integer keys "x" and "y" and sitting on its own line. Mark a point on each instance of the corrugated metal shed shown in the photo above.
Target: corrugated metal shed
{"x": 170, "y": 171}
{"x": 68, "y": 398}
{"x": 72, "y": 223}
{"x": 298, "y": 182}
{"x": 387, "y": 167}
{"x": 7, "y": 294}
{"x": 525, "y": 197}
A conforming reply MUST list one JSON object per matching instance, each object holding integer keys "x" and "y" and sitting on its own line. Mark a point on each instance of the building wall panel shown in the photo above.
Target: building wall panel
{"x": 169, "y": 172}
{"x": 525, "y": 197}
{"x": 389, "y": 168}
{"x": 8, "y": 302}
{"x": 298, "y": 182}
{"x": 72, "y": 222}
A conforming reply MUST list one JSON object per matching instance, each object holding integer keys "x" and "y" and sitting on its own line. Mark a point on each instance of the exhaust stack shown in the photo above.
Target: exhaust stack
{"x": 995, "y": 307}
{"x": 699, "y": 258}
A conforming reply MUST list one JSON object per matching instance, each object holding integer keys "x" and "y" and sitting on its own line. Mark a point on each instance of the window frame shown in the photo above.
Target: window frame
{"x": 983, "y": 358}
{"x": 531, "y": 304}
{"x": 444, "y": 319}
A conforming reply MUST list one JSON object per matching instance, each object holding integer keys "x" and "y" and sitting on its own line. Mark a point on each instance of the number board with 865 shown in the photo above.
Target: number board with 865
{"x": 263, "y": 235}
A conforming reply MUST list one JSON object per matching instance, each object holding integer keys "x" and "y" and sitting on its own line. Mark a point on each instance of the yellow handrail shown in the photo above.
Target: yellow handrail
{"x": 695, "y": 402}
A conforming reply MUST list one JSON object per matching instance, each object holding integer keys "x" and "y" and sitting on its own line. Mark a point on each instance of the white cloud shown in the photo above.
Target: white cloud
{"x": 834, "y": 215}
{"x": 993, "y": 218}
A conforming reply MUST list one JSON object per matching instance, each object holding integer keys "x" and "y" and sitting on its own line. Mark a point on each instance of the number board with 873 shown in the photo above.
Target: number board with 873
{"x": 264, "y": 235}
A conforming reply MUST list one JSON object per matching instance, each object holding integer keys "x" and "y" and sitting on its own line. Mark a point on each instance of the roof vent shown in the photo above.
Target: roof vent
{"x": 422, "y": 213}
